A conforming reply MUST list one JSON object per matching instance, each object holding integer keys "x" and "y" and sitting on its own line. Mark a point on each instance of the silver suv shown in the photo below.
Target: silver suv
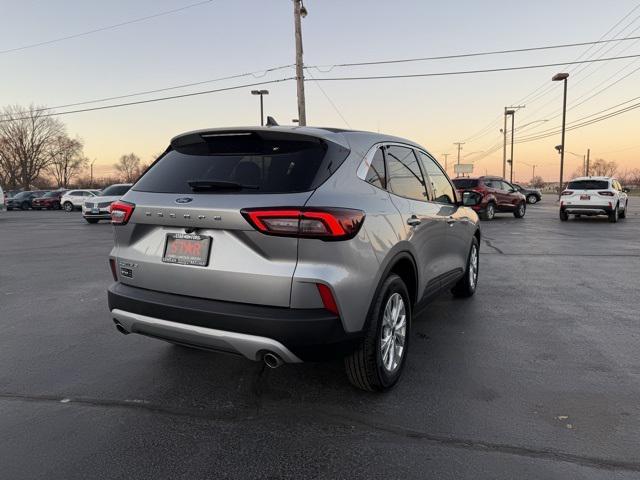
{"x": 285, "y": 244}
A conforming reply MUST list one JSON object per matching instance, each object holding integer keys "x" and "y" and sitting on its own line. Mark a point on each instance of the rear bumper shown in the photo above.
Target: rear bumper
{"x": 248, "y": 330}
{"x": 587, "y": 209}
{"x": 99, "y": 216}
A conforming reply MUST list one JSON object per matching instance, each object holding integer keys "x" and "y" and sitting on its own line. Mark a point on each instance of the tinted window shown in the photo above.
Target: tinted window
{"x": 440, "y": 187}
{"x": 465, "y": 183}
{"x": 115, "y": 190}
{"x": 375, "y": 175}
{"x": 506, "y": 187}
{"x": 403, "y": 173}
{"x": 256, "y": 162}
{"x": 588, "y": 185}
{"x": 51, "y": 194}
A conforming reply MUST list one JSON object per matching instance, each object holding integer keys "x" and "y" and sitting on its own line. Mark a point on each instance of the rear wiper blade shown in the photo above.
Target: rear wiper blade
{"x": 201, "y": 185}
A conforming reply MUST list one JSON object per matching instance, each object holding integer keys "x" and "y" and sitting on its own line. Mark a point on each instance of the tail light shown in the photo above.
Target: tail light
{"x": 121, "y": 212}
{"x": 567, "y": 192}
{"x": 328, "y": 300}
{"x": 322, "y": 223}
{"x": 606, "y": 194}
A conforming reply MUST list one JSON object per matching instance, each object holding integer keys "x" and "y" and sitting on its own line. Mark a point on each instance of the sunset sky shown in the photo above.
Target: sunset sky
{"x": 226, "y": 37}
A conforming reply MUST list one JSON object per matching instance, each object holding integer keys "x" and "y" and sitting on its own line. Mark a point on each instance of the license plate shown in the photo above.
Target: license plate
{"x": 585, "y": 197}
{"x": 187, "y": 249}
{"x": 95, "y": 211}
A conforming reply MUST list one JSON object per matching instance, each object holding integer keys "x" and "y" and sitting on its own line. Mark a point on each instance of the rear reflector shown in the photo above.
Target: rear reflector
{"x": 328, "y": 300}
{"x": 121, "y": 212}
{"x": 323, "y": 223}
{"x": 114, "y": 272}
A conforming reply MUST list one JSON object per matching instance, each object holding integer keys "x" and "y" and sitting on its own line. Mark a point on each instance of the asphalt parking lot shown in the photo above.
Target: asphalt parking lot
{"x": 537, "y": 376}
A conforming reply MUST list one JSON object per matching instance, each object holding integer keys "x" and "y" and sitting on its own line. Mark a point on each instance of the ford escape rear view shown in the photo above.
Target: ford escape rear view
{"x": 286, "y": 244}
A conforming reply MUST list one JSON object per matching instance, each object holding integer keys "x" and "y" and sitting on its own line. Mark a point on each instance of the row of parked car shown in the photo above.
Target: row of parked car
{"x": 93, "y": 203}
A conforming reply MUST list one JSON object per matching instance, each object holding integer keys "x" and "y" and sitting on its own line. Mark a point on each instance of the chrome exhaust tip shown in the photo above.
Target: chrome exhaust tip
{"x": 120, "y": 328}
{"x": 271, "y": 360}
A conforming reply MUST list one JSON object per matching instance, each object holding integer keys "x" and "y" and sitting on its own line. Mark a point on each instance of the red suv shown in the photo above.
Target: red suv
{"x": 498, "y": 195}
{"x": 49, "y": 201}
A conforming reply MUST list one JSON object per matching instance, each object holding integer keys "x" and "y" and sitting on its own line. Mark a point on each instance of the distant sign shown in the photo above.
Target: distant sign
{"x": 463, "y": 168}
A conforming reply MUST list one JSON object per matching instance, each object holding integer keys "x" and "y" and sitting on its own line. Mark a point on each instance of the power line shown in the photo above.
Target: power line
{"x": 466, "y": 55}
{"x": 108, "y": 27}
{"x": 466, "y": 72}
{"x": 160, "y": 99}
{"x": 335, "y": 107}
{"x": 484, "y": 131}
{"x": 255, "y": 74}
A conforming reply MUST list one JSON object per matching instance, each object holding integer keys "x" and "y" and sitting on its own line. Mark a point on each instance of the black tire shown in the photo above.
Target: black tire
{"x": 614, "y": 215}
{"x": 489, "y": 212}
{"x": 68, "y": 207}
{"x": 25, "y": 206}
{"x": 623, "y": 213}
{"x": 465, "y": 287}
{"x": 532, "y": 199}
{"x": 564, "y": 216}
{"x": 520, "y": 210}
{"x": 364, "y": 366}
{"x": 92, "y": 220}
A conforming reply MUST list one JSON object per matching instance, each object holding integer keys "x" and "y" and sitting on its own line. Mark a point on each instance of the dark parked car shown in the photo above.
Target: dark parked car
{"x": 49, "y": 201}
{"x": 497, "y": 194}
{"x": 533, "y": 195}
{"x": 23, "y": 200}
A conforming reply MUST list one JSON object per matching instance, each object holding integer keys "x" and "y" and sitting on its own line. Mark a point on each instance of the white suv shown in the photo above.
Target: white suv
{"x": 594, "y": 196}
{"x": 74, "y": 199}
{"x": 2, "y": 200}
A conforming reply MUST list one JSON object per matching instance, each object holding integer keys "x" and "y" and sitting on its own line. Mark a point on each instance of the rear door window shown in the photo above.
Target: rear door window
{"x": 246, "y": 162}
{"x": 588, "y": 185}
{"x": 441, "y": 188}
{"x": 404, "y": 176}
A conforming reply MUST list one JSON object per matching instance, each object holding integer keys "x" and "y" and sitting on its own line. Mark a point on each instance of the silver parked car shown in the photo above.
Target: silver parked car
{"x": 98, "y": 208}
{"x": 285, "y": 244}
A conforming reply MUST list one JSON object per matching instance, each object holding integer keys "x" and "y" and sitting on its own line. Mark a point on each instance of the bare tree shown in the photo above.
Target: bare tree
{"x": 537, "y": 182}
{"x": 67, "y": 160}
{"x": 602, "y": 168}
{"x": 128, "y": 166}
{"x": 27, "y": 140}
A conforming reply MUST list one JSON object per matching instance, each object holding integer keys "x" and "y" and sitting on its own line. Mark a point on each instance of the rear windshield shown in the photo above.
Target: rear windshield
{"x": 115, "y": 190}
{"x": 52, "y": 194}
{"x": 462, "y": 183}
{"x": 245, "y": 162}
{"x": 588, "y": 185}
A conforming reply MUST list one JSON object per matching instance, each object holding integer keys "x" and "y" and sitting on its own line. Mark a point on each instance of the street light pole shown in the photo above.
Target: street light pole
{"x": 513, "y": 119}
{"x": 300, "y": 11}
{"x": 446, "y": 164}
{"x": 558, "y": 78}
{"x": 459, "y": 144}
{"x": 261, "y": 93}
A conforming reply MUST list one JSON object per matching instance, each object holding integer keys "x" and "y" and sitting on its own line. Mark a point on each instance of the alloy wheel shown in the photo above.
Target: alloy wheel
{"x": 473, "y": 266}
{"x": 393, "y": 333}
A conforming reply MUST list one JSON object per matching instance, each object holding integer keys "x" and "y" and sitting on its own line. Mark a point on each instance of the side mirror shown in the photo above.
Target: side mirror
{"x": 470, "y": 199}
{"x": 513, "y": 190}
{"x": 626, "y": 190}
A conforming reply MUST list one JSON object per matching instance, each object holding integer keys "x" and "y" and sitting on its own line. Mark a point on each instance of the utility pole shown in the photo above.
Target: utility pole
{"x": 459, "y": 144}
{"x": 446, "y": 164}
{"x": 91, "y": 174}
{"x": 300, "y": 11}
{"x": 588, "y": 152}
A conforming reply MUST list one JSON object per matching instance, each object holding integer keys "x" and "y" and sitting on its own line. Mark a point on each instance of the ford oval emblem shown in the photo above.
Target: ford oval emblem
{"x": 184, "y": 200}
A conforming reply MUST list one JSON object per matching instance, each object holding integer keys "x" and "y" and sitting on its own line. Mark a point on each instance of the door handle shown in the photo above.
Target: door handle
{"x": 413, "y": 221}
{"x": 451, "y": 221}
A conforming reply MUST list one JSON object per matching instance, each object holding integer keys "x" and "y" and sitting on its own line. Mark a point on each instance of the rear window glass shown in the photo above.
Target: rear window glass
{"x": 462, "y": 183}
{"x": 589, "y": 185}
{"x": 114, "y": 190}
{"x": 246, "y": 162}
